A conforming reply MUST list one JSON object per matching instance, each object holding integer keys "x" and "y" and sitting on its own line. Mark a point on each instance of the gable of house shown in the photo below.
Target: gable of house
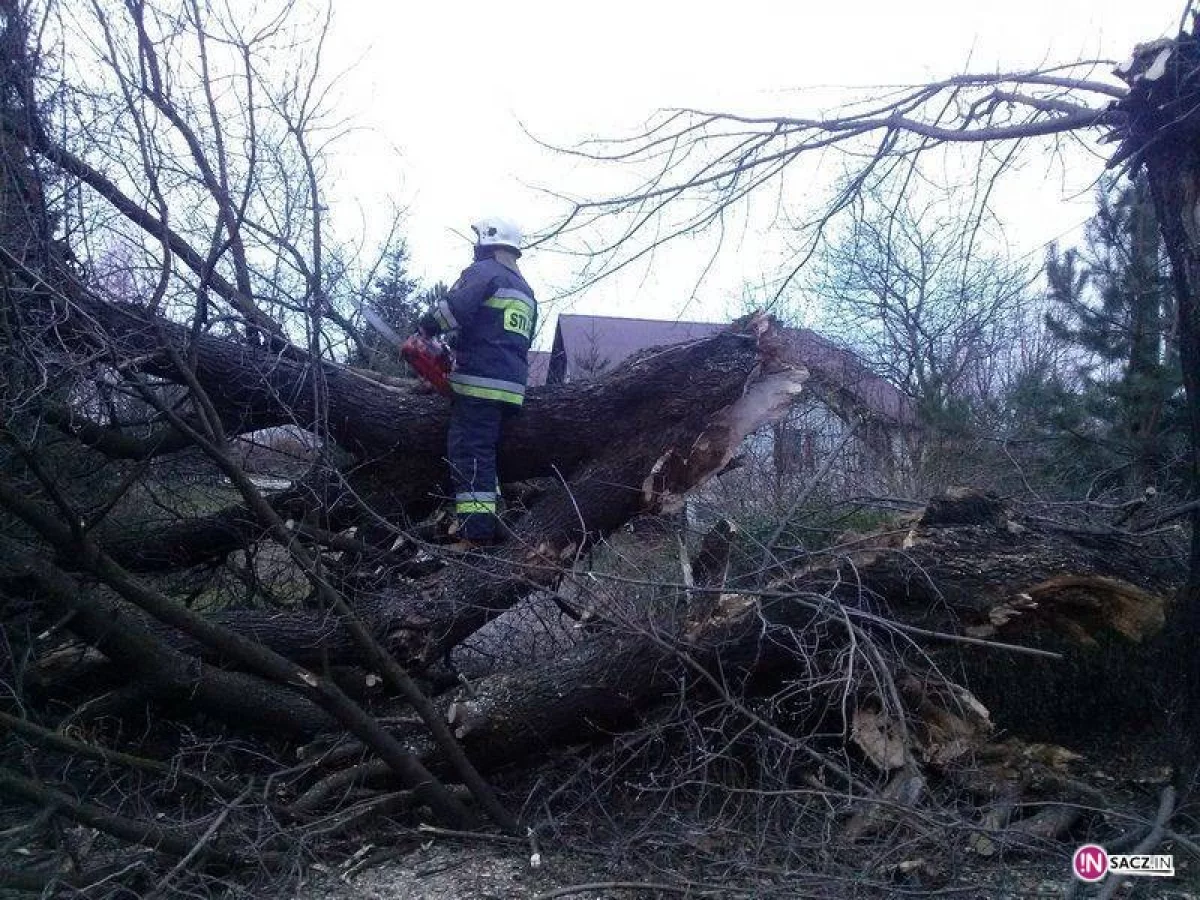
{"x": 587, "y": 346}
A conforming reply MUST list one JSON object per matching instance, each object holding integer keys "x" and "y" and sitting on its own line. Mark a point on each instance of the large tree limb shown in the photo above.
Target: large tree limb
{"x": 191, "y": 542}
{"x": 667, "y": 450}
{"x": 321, "y": 691}
{"x": 661, "y": 400}
{"x": 136, "y": 831}
{"x": 167, "y": 673}
{"x": 114, "y": 442}
{"x": 258, "y": 389}
{"x": 970, "y": 562}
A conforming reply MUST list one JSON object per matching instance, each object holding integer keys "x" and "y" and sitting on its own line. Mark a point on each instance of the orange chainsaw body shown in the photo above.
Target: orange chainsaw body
{"x": 430, "y": 359}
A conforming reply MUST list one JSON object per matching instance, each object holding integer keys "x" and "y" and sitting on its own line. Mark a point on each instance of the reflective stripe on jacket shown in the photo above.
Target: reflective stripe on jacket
{"x": 494, "y": 310}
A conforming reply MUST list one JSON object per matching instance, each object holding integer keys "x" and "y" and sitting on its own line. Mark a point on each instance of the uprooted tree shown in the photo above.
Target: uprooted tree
{"x": 408, "y": 673}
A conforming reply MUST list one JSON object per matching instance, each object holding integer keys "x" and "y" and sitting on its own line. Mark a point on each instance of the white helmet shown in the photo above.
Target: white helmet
{"x": 493, "y": 231}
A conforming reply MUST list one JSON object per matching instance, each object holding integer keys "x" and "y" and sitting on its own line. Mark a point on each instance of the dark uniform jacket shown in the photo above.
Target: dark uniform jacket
{"x": 495, "y": 313}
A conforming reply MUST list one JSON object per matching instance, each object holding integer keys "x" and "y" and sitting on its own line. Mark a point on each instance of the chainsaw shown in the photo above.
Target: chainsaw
{"x": 429, "y": 357}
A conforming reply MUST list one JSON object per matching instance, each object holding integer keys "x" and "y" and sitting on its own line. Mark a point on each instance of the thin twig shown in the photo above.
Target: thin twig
{"x": 57, "y": 741}
{"x": 208, "y": 835}
{"x": 807, "y": 492}
{"x": 473, "y": 835}
{"x": 952, "y": 638}
{"x": 1177, "y": 512}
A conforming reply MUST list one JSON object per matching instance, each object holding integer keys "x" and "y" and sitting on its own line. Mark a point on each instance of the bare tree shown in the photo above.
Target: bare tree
{"x": 906, "y": 289}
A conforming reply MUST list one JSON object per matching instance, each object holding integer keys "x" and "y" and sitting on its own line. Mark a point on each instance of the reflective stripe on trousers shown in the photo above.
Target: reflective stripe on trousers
{"x": 488, "y": 388}
{"x": 469, "y": 502}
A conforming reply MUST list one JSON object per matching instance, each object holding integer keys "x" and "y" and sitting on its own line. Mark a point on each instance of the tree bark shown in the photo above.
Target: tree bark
{"x": 634, "y": 441}
{"x": 1174, "y": 172}
{"x": 1160, "y": 130}
{"x": 658, "y": 461}
{"x": 972, "y": 564}
{"x": 193, "y": 542}
{"x": 660, "y": 400}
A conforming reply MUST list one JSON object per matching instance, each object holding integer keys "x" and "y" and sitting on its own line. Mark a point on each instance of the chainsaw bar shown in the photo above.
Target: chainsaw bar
{"x": 376, "y": 321}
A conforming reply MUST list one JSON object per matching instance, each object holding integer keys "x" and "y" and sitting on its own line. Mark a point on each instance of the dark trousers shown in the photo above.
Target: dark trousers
{"x": 471, "y": 448}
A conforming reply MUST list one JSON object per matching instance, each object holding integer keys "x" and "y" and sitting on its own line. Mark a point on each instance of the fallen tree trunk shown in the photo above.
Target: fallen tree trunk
{"x": 167, "y": 674}
{"x": 196, "y": 541}
{"x": 718, "y": 391}
{"x": 621, "y": 671}
{"x": 254, "y": 389}
{"x": 662, "y": 400}
{"x": 637, "y": 441}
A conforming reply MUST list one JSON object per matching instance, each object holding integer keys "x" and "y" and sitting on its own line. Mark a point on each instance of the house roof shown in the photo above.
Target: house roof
{"x": 595, "y": 344}
{"x": 585, "y": 346}
{"x": 842, "y": 380}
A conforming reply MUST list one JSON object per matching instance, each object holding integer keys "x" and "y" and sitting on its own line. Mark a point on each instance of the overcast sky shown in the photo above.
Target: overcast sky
{"x": 444, "y": 89}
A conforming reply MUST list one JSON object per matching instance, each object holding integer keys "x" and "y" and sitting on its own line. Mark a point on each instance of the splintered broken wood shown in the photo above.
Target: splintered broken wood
{"x": 938, "y": 722}
{"x": 969, "y": 564}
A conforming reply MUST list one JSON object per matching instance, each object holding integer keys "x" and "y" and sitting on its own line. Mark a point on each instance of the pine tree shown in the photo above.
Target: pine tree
{"x": 397, "y": 298}
{"x": 393, "y": 296}
{"x": 1114, "y": 303}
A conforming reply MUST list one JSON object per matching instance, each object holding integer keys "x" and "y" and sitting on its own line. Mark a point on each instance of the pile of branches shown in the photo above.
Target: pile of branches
{"x": 174, "y": 700}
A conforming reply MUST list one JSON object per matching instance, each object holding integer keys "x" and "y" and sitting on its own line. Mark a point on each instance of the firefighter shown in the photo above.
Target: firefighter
{"x": 493, "y": 311}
